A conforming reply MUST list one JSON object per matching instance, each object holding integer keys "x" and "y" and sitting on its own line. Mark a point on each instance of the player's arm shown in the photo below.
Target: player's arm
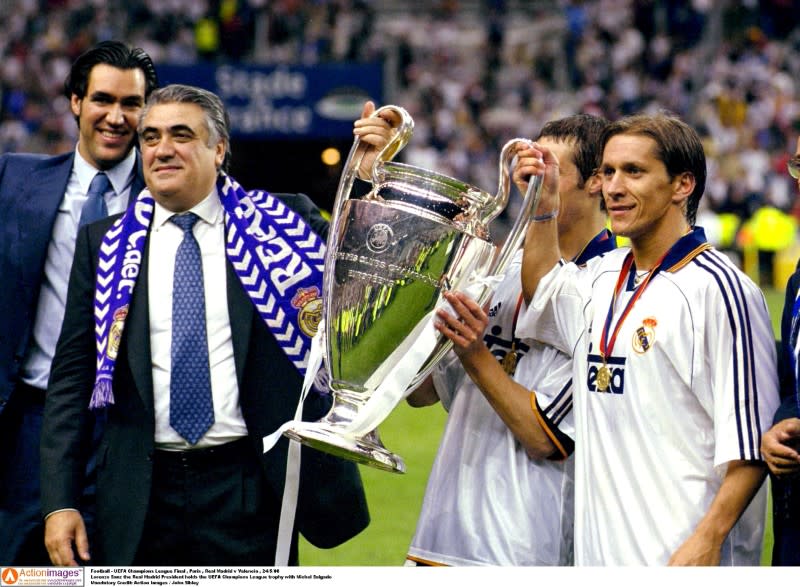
{"x": 424, "y": 394}
{"x": 541, "y": 251}
{"x": 742, "y": 480}
{"x": 510, "y": 400}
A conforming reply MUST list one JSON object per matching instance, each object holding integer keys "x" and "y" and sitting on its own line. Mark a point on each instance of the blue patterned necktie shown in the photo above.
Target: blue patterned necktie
{"x": 191, "y": 411}
{"x": 95, "y": 206}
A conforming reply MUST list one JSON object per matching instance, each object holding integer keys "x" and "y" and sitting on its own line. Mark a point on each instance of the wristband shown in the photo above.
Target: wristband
{"x": 546, "y": 217}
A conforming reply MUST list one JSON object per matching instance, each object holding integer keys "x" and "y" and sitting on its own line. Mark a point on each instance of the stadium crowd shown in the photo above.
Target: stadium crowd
{"x": 730, "y": 72}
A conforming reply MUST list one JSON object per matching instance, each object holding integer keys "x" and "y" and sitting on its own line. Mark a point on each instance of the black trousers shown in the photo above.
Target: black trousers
{"x": 21, "y": 526}
{"x": 785, "y": 521}
{"x": 211, "y": 507}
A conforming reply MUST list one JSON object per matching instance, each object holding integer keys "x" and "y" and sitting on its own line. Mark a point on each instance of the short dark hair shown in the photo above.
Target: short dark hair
{"x": 583, "y": 131}
{"x": 115, "y": 54}
{"x": 678, "y": 146}
{"x": 217, "y": 119}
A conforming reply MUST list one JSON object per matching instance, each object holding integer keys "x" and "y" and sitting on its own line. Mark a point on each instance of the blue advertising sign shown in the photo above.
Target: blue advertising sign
{"x": 282, "y": 101}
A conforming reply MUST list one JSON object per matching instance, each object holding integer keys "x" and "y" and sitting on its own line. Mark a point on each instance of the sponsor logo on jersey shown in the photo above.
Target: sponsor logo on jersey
{"x": 497, "y": 342}
{"x": 493, "y": 310}
{"x": 616, "y": 365}
{"x": 645, "y": 336}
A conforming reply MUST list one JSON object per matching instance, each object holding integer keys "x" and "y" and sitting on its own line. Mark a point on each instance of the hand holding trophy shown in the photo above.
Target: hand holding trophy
{"x": 390, "y": 256}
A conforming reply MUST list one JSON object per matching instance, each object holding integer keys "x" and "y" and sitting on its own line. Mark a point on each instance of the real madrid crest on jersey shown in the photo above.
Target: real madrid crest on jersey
{"x": 645, "y": 336}
{"x": 309, "y": 309}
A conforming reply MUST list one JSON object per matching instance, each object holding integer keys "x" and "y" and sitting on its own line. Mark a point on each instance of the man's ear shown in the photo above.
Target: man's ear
{"x": 683, "y": 186}
{"x": 219, "y": 156}
{"x": 75, "y": 105}
{"x": 594, "y": 185}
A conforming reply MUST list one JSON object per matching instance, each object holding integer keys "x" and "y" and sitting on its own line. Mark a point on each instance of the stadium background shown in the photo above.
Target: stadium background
{"x": 473, "y": 74}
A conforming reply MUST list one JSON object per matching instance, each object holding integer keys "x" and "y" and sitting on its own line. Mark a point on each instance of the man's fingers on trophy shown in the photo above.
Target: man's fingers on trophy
{"x": 367, "y": 109}
{"x": 392, "y": 117}
{"x": 448, "y": 325}
{"x": 458, "y": 301}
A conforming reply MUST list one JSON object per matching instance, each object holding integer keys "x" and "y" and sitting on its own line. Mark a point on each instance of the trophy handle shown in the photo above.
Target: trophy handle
{"x": 531, "y": 200}
{"x": 395, "y": 144}
{"x": 350, "y": 171}
{"x": 512, "y": 243}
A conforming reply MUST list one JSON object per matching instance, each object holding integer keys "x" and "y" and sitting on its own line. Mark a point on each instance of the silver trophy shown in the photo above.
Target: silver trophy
{"x": 390, "y": 256}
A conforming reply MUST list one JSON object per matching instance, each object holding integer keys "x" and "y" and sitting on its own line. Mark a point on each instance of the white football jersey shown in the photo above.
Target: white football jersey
{"x": 693, "y": 384}
{"x": 487, "y": 502}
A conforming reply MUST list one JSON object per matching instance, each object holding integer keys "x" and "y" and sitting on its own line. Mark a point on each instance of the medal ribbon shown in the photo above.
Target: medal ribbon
{"x": 510, "y": 359}
{"x": 606, "y": 345}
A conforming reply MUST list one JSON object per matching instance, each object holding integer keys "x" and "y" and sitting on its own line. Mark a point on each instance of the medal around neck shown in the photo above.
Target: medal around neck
{"x": 603, "y": 377}
{"x": 390, "y": 256}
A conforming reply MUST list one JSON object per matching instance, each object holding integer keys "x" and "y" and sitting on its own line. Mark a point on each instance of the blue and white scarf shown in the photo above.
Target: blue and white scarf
{"x": 277, "y": 257}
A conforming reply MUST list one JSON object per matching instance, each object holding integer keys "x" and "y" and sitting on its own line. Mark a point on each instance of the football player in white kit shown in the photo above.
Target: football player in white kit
{"x": 674, "y": 361}
{"x": 498, "y": 494}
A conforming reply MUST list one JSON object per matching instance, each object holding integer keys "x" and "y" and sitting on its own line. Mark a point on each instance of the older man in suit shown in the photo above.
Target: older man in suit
{"x": 192, "y": 373}
{"x": 44, "y": 199}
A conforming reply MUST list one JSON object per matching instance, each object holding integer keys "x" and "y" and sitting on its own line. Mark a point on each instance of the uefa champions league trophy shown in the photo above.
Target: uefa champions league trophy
{"x": 390, "y": 256}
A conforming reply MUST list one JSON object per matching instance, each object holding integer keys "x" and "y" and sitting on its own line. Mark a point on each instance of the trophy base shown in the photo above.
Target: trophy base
{"x": 365, "y": 450}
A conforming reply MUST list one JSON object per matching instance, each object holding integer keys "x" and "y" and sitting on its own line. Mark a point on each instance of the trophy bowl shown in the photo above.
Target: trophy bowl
{"x": 390, "y": 256}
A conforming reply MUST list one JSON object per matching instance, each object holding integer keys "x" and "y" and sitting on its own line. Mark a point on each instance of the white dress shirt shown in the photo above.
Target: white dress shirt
{"x": 165, "y": 237}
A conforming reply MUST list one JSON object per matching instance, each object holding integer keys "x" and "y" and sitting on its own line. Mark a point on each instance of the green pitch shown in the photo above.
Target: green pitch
{"x": 395, "y": 500}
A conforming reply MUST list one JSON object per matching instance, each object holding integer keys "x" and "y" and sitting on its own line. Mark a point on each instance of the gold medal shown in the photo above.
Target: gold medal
{"x": 603, "y": 378}
{"x": 510, "y": 361}
{"x": 607, "y": 344}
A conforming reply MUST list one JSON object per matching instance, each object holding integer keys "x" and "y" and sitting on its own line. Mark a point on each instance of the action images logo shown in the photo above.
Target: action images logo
{"x": 44, "y": 576}
{"x": 9, "y": 576}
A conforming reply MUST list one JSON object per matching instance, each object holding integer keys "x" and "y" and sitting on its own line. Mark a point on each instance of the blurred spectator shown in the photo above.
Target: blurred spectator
{"x": 473, "y": 73}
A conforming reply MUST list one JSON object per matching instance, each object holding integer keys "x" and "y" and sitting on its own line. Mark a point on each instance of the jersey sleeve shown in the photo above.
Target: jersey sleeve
{"x": 547, "y": 373}
{"x": 554, "y": 314}
{"x": 741, "y": 359}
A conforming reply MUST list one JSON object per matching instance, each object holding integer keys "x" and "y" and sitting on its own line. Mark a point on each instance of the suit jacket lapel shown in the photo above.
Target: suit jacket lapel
{"x": 138, "y": 335}
{"x": 138, "y": 181}
{"x": 240, "y": 312}
{"x": 138, "y": 323}
{"x": 37, "y": 215}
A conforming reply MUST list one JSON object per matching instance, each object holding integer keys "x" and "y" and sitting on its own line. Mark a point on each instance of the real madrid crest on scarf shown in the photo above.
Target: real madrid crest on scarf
{"x": 278, "y": 258}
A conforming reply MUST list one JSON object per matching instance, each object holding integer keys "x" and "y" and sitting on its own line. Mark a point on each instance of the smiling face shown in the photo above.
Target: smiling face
{"x": 644, "y": 203}
{"x": 180, "y": 167}
{"x": 108, "y": 114}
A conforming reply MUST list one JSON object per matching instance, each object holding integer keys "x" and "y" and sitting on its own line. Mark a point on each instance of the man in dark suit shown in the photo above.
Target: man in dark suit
{"x": 43, "y": 201}
{"x": 182, "y": 477}
{"x": 780, "y": 445}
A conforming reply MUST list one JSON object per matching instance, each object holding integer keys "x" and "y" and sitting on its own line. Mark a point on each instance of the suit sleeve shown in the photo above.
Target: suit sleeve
{"x": 67, "y": 422}
{"x": 332, "y": 505}
{"x": 788, "y": 386}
